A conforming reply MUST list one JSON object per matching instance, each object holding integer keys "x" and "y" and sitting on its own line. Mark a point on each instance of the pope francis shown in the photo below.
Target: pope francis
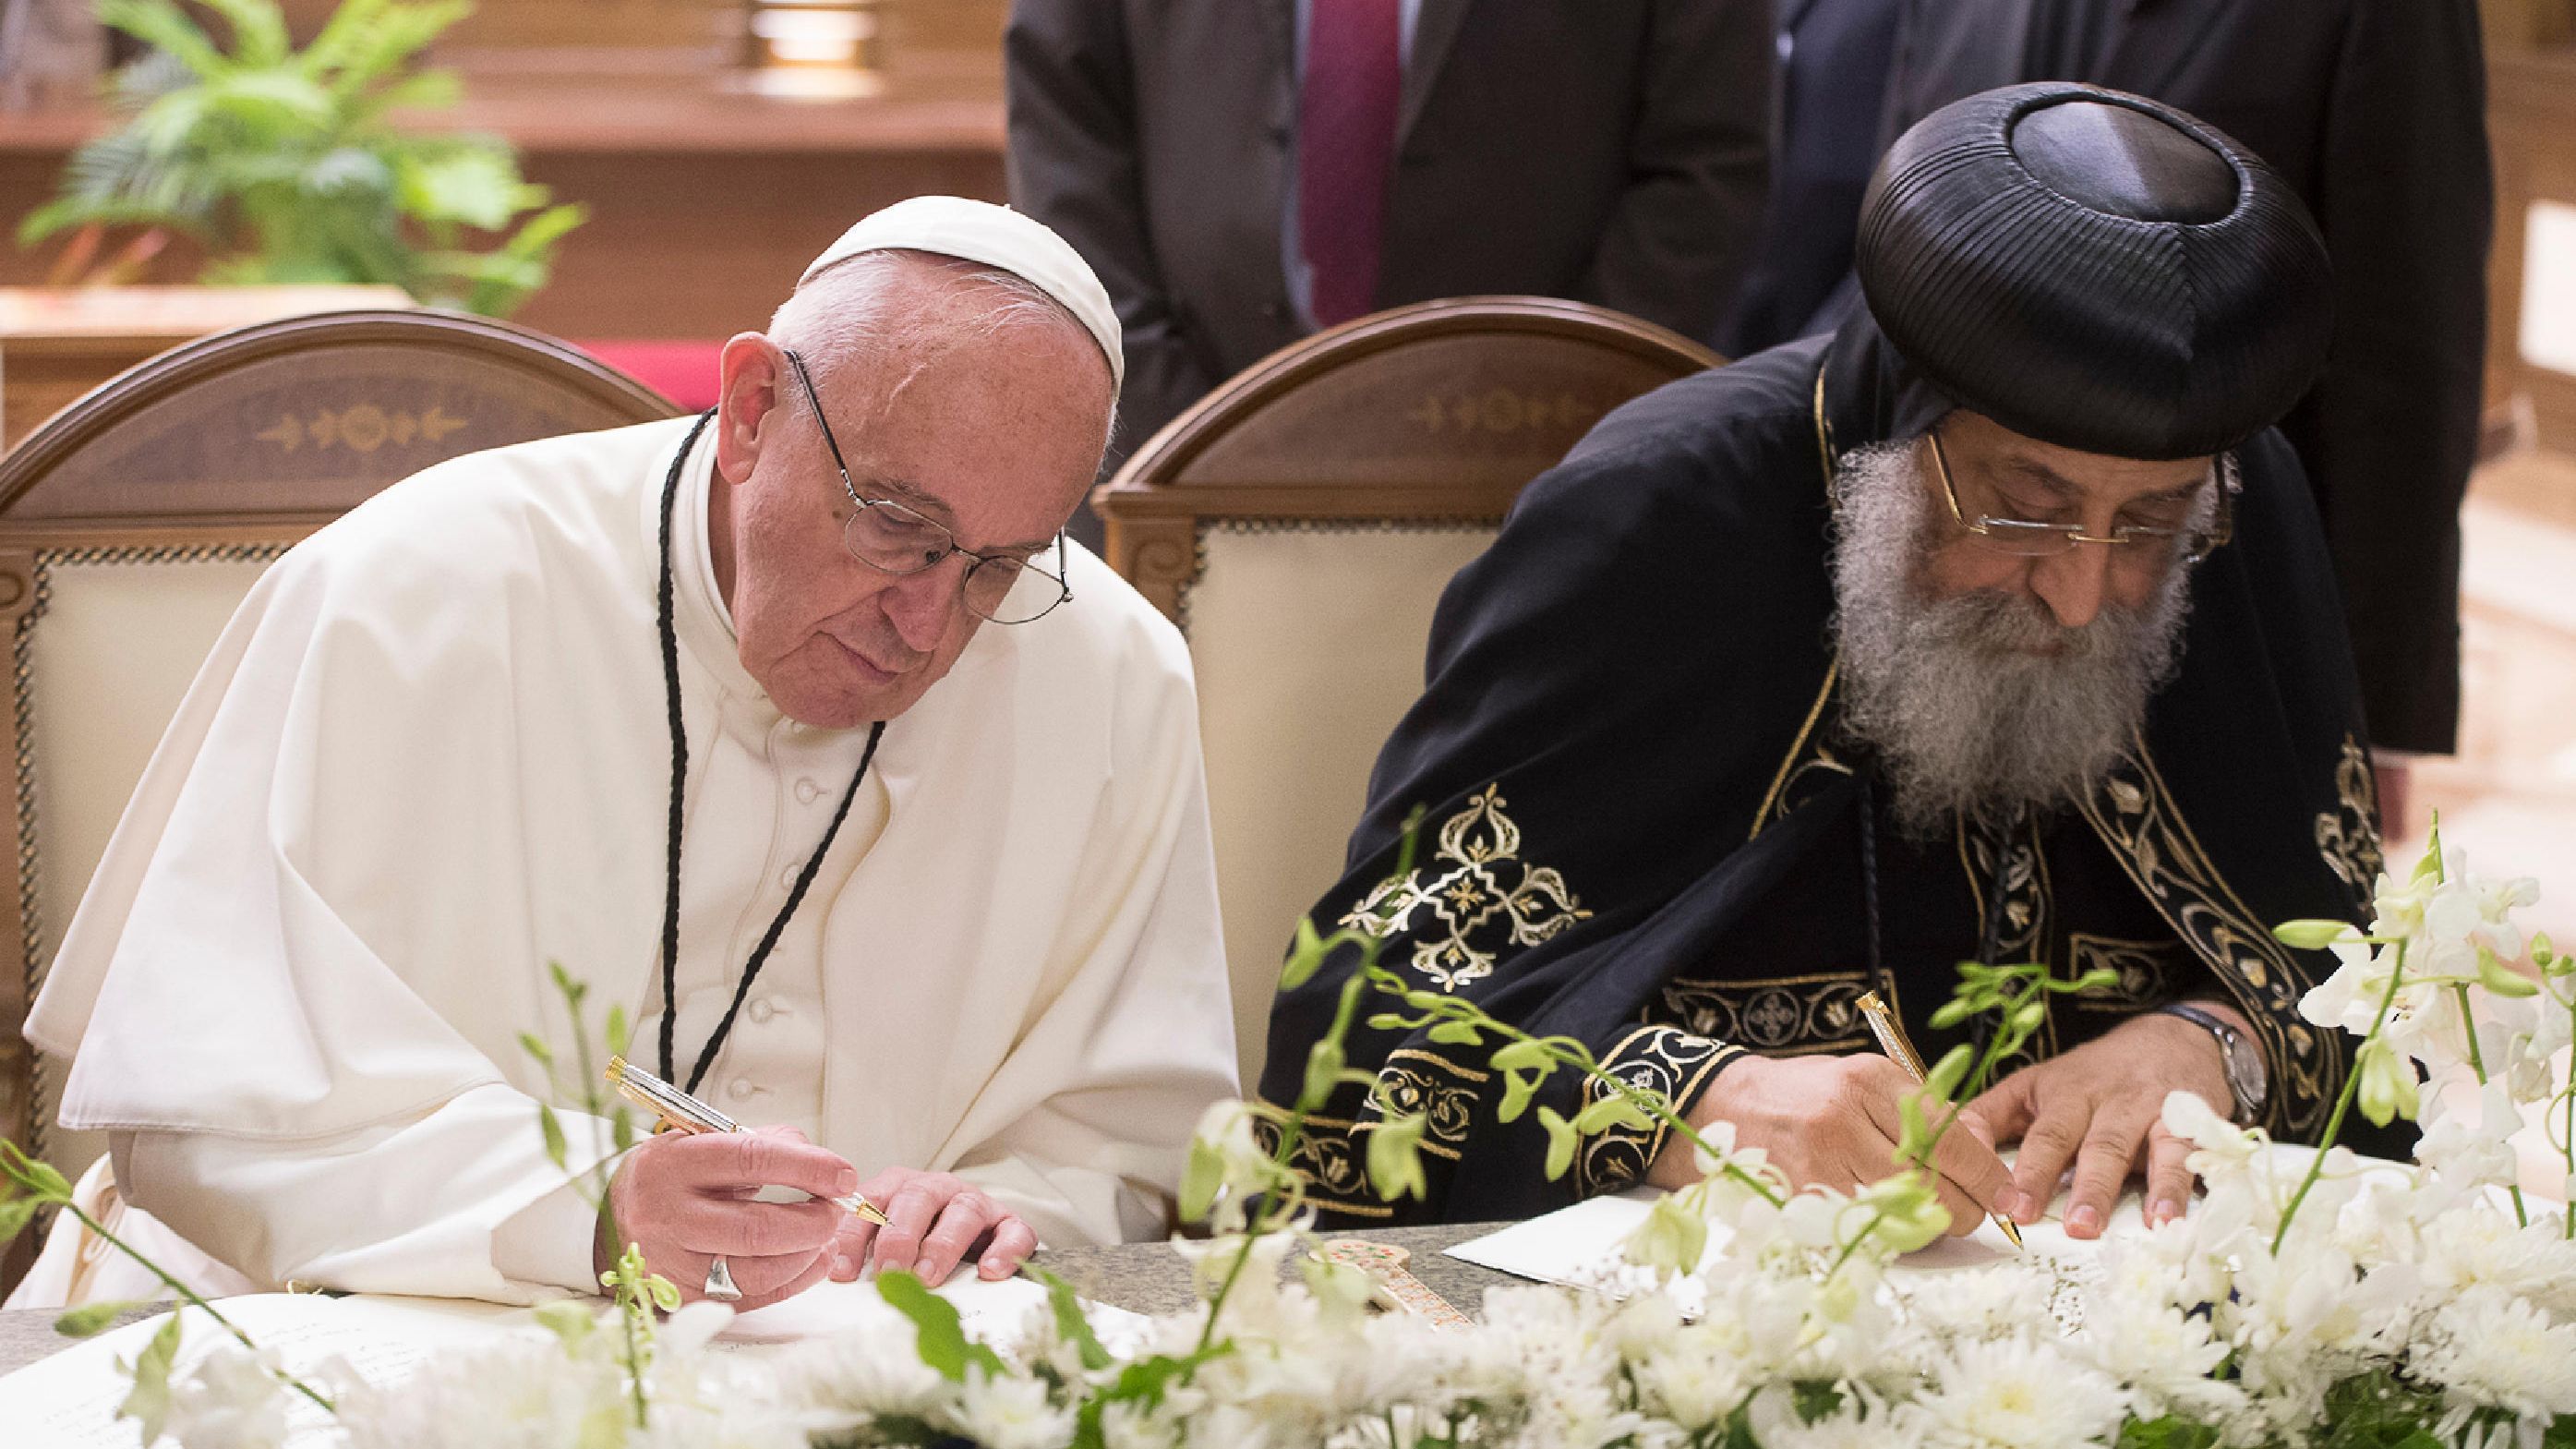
{"x": 798, "y": 726}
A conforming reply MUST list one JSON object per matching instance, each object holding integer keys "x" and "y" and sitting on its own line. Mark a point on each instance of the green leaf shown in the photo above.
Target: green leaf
{"x": 1392, "y": 1021}
{"x": 568, "y": 1319}
{"x": 1608, "y": 1111}
{"x": 90, "y": 1318}
{"x": 1561, "y": 1142}
{"x": 2169, "y": 1432}
{"x": 164, "y": 26}
{"x": 1518, "y": 1088}
{"x": 1305, "y": 957}
{"x": 477, "y": 188}
{"x": 619, "y": 1035}
{"x": 1457, "y": 1033}
{"x": 149, "y": 1400}
{"x": 1950, "y": 1013}
{"x": 2029, "y": 1017}
{"x": 1521, "y": 1055}
{"x": 15, "y": 1213}
{"x": 259, "y": 29}
{"x": 2101, "y": 978}
{"x": 2496, "y": 977}
{"x": 1201, "y": 1179}
{"x": 621, "y": 1129}
{"x": 1942, "y": 1082}
{"x": 1395, "y": 1157}
{"x": 558, "y": 1151}
{"x": 1070, "y": 1324}
{"x": 544, "y": 1055}
{"x": 2312, "y": 934}
{"x": 1324, "y": 1063}
{"x": 664, "y": 1292}
{"x": 35, "y": 1176}
{"x": 937, "y": 1334}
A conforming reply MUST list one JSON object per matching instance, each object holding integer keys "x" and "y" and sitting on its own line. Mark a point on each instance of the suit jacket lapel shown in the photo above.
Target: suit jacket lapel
{"x": 1434, "y": 29}
{"x": 2154, "y": 38}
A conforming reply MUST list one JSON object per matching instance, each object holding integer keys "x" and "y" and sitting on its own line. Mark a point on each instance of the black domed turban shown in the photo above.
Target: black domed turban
{"x": 2095, "y": 270}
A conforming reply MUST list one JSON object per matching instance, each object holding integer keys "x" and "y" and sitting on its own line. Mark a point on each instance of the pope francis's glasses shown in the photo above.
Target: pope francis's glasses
{"x": 2023, "y": 538}
{"x": 893, "y": 539}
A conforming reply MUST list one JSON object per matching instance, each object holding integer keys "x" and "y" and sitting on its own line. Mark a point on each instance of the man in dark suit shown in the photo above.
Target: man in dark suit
{"x": 2375, "y": 110}
{"x": 1834, "y": 56}
{"x": 1241, "y": 174}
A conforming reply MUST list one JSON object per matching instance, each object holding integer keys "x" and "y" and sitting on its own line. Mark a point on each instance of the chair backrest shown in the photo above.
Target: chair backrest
{"x": 1299, "y": 524}
{"x": 134, "y": 521}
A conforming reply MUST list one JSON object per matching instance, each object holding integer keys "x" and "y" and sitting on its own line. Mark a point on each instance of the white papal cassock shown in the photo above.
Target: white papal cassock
{"x": 431, "y": 754}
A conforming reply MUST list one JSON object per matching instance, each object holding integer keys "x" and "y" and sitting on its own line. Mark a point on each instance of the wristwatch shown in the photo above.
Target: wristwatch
{"x": 2247, "y": 1081}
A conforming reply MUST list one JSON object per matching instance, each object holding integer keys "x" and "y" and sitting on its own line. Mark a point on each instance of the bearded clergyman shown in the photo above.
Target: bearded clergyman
{"x": 1994, "y": 626}
{"x": 797, "y": 729}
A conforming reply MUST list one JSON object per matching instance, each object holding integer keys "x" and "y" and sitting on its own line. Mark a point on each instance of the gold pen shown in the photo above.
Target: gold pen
{"x": 680, "y": 1112}
{"x": 1891, "y": 1040}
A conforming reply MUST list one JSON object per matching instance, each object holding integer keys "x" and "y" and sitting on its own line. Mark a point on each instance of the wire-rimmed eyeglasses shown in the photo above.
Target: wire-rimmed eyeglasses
{"x": 2023, "y": 538}
{"x": 893, "y": 539}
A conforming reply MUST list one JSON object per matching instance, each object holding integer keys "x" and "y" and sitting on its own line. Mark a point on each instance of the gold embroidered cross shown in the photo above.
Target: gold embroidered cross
{"x": 1481, "y": 913}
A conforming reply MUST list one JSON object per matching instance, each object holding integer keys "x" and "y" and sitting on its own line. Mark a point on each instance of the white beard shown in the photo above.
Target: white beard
{"x": 1967, "y": 720}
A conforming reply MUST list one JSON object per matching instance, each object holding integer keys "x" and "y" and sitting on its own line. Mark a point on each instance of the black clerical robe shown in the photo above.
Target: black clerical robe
{"x": 1646, "y": 829}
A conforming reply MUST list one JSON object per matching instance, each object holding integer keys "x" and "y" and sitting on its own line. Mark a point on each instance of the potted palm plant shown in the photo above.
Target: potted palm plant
{"x": 286, "y": 168}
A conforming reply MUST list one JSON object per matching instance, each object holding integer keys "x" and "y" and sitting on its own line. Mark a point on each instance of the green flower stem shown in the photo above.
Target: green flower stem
{"x": 2477, "y": 1064}
{"x": 1653, "y": 1104}
{"x": 194, "y": 1300}
{"x": 2343, "y": 1101}
{"x": 2567, "y": 1116}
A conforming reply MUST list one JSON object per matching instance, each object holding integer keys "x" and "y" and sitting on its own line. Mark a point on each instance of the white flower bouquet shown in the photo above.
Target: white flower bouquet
{"x": 2312, "y": 1298}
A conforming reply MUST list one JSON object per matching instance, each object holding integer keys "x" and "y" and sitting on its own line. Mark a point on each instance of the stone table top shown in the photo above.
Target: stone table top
{"x": 1141, "y": 1277}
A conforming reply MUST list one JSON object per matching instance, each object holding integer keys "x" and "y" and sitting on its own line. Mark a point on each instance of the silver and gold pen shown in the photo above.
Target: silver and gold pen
{"x": 677, "y": 1111}
{"x": 1891, "y": 1040}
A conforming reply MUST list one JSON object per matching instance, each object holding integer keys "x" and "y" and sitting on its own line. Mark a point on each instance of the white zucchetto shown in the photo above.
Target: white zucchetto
{"x": 992, "y": 236}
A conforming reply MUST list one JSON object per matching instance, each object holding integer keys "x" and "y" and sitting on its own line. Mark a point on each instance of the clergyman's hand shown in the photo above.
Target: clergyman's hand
{"x": 1833, "y": 1121}
{"x": 937, "y": 1220}
{"x": 2100, "y": 1107}
{"x": 684, "y": 1198}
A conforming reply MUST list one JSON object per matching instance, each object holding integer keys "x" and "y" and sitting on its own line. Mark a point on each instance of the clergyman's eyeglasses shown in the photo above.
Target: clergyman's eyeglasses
{"x": 2023, "y": 538}
{"x": 893, "y": 539}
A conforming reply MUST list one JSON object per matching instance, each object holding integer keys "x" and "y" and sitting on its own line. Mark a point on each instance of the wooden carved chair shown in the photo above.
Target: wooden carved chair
{"x": 134, "y": 521}
{"x": 1299, "y": 524}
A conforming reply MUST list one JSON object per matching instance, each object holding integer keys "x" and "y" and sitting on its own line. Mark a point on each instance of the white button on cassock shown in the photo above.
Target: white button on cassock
{"x": 807, "y": 791}
{"x": 764, "y": 1009}
{"x": 742, "y": 1090}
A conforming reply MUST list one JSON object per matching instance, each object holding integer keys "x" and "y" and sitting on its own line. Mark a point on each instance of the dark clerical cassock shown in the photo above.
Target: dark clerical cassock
{"x": 1645, "y": 825}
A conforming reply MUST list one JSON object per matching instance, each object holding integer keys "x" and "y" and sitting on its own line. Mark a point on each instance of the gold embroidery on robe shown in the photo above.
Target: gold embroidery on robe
{"x": 2134, "y": 813}
{"x": 1330, "y": 1157}
{"x": 1659, "y": 1059}
{"x": 1485, "y": 900}
{"x": 2147, "y": 972}
{"x": 1332, "y": 1152}
{"x": 1447, "y": 1106}
{"x": 2015, "y": 863}
{"x": 2348, "y": 836}
{"x": 1781, "y": 1016}
{"x": 1810, "y": 762}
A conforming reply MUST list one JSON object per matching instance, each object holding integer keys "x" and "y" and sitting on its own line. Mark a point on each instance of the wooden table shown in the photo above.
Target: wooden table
{"x": 1142, "y": 1277}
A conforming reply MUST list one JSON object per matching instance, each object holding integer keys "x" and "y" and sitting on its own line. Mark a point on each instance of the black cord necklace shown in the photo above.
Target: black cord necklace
{"x": 679, "y": 782}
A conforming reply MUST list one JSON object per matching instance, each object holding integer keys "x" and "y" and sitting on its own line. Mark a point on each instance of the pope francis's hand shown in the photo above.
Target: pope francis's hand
{"x": 937, "y": 1220}
{"x": 1833, "y": 1121}
{"x": 684, "y": 1199}
{"x": 2100, "y": 1107}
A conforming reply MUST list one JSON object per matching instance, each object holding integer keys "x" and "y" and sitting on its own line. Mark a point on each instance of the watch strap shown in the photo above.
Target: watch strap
{"x": 2249, "y": 1095}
